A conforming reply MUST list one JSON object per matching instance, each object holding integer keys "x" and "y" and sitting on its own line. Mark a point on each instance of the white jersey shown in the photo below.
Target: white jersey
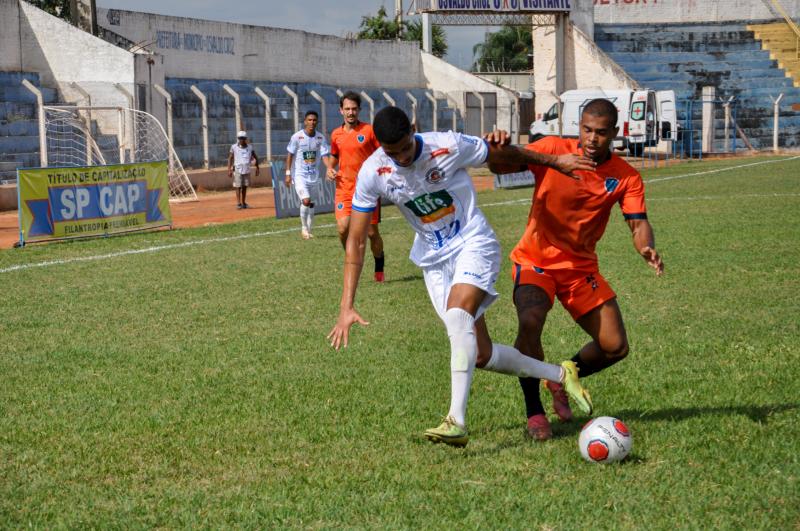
{"x": 308, "y": 151}
{"x": 241, "y": 158}
{"x": 434, "y": 193}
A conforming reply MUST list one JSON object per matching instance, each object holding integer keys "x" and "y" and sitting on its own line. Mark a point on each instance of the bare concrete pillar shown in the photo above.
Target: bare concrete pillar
{"x": 709, "y": 97}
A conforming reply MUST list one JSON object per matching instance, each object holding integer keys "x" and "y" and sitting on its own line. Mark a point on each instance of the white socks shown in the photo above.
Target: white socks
{"x": 306, "y": 217}
{"x": 508, "y": 360}
{"x": 463, "y": 354}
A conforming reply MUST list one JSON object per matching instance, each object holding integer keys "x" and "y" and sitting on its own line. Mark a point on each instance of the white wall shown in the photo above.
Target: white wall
{"x": 63, "y": 54}
{"x": 194, "y": 48}
{"x": 442, "y": 77}
{"x": 10, "y": 49}
{"x": 586, "y": 66}
{"x": 654, "y": 11}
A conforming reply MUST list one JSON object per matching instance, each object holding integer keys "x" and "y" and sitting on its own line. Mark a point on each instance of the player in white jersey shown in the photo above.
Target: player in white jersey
{"x": 306, "y": 148}
{"x": 424, "y": 175}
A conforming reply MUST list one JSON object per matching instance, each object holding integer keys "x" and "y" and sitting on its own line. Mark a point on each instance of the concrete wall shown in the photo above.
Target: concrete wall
{"x": 10, "y": 44}
{"x": 586, "y": 66}
{"x": 63, "y": 54}
{"x": 194, "y": 48}
{"x": 445, "y": 78}
{"x": 664, "y": 11}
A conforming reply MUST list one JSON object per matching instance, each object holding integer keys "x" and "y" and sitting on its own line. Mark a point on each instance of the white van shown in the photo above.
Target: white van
{"x": 645, "y": 116}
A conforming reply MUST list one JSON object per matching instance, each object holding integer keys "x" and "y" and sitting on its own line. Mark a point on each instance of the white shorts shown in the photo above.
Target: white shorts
{"x": 477, "y": 263}
{"x": 304, "y": 190}
{"x": 240, "y": 179}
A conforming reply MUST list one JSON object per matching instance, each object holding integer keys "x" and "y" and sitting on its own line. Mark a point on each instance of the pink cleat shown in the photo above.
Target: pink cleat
{"x": 560, "y": 401}
{"x": 539, "y": 427}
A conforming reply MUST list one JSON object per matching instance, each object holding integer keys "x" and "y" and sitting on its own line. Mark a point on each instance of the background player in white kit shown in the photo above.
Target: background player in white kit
{"x": 306, "y": 148}
{"x": 423, "y": 174}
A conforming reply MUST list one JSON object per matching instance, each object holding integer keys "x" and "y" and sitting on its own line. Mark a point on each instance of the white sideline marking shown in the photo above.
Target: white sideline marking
{"x": 671, "y": 177}
{"x": 192, "y": 243}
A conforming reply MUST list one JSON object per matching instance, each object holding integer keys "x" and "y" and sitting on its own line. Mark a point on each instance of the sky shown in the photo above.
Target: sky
{"x": 329, "y": 17}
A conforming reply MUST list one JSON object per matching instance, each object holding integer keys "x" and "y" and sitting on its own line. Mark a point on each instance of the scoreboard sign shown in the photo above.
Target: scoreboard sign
{"x": 502, "y": 6}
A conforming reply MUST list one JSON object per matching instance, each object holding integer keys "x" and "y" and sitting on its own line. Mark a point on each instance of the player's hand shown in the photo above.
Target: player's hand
{"x": 498, "y": 137}
{"x": 257, "y": 171}
{"x": 288, "y": 181}
{"x": 653, "y": 259}
{"x": 570, "y": 162}
{"x": 331, "y": 174}
{"x": 341, "y": 332}
{"x": 230, "y": 174}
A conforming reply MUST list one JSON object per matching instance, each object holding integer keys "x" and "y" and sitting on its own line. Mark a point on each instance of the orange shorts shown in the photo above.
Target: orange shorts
{"x": 579, "y": 291}
{"x": 344, "y": 208}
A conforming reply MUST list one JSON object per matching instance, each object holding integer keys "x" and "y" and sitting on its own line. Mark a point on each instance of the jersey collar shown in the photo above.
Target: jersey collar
{"x": 420, "y": 145}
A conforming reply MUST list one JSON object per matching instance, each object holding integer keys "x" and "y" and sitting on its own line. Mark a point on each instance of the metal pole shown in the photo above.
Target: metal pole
{"x": 321, "y": 100}
{"x": 480, "y": 99}
{"x": 435, "y": 110}
{"x": 42, "y": 127}
{"x": 726, "y": 105}
{"x": 267, "y": 122}
{"x": 204, "y": 110}
{"x": 454, "y": 106}
{"x": 339, "y": 92}
{"x": 776, "y": 114}
{"x": 389, "y": 99}
{"x": 413, "y": 107}
{"x": 237, "y": 104}
{"x": 88, "y": 121}
{"x": 371, "y": 106}
{"x": 168, "y": 98}
{"x": 132, "y": 133}
{"x": 296, "y": 101}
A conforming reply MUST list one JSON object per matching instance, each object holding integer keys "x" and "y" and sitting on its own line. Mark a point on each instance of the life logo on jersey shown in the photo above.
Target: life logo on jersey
{"x": 360, "y": 139}
{"x": 434, "y": 175}
{"x": 611, "y": 184}
{"x": 432, "y": 207}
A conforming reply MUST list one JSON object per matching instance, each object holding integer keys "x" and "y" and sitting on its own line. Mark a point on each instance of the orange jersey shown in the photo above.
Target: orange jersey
{"x": 352, "y": 148}
{"x": 569, "y": 216}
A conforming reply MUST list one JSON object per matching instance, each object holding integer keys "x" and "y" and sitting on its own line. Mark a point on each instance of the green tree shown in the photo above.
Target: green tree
{"x": 59, "y": 8}
{"x": 506, "y": 50}
{"x": 381, "y": 28}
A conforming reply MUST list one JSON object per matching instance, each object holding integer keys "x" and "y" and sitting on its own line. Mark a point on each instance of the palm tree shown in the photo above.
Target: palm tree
{"x": 382, "y": 28}
{"x": 506, "y": 50}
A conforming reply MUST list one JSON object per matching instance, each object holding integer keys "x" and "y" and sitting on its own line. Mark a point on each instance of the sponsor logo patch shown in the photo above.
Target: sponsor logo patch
{"x": 611, "y": 184}
{"x": 360, "y": 139}
{"x": 384, "y": 170}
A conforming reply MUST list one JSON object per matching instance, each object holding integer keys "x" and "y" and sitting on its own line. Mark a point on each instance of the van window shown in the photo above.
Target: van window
{"x": 637, "y": 111}
{"x": 552, "y": 113}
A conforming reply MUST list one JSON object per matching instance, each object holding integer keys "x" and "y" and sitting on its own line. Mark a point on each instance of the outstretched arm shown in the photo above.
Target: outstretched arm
{"x": 353, "y": 263}
{"x": 505, "y": 158}
{"x": 645, "y": 243}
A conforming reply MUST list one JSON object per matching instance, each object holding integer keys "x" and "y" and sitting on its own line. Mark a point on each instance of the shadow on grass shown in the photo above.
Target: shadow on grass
{"x": 407, "y": 278}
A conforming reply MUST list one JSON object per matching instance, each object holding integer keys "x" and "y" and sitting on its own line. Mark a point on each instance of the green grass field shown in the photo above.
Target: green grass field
{"x": 192, "y": 385}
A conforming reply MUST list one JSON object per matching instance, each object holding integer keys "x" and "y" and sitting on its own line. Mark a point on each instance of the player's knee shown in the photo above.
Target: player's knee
{"x": 616, "y": 347}
{"x": 531, "y": 322}
{"x": 307, "y": 202}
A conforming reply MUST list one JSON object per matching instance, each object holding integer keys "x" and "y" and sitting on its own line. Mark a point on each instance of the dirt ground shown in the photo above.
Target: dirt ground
{"x": 211, "y": 208}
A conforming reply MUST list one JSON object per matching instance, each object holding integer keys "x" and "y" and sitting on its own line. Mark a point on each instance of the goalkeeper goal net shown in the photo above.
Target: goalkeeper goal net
{"x": 98, "y": 136}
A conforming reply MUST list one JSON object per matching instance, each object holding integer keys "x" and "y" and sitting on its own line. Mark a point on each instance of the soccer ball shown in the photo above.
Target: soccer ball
{"x": 605, "y": 440}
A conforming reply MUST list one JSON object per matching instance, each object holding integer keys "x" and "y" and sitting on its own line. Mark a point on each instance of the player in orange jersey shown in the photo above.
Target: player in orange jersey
{"x": 351, "y": 144}
{"x": 556, "y": 255}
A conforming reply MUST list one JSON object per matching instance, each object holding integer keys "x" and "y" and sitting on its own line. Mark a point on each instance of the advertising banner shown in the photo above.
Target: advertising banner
{"x": 514, "y": 180}
{"x": 80, "y": 202}
{"x": 287, "y": 204}
{"x": 502, "y": 6}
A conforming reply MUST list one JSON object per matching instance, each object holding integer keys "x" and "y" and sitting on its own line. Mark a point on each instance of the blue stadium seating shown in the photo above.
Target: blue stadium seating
{"x": 221, "y": 114}
{"x": 686, "y": 57}
{"x": 19, "y": 129}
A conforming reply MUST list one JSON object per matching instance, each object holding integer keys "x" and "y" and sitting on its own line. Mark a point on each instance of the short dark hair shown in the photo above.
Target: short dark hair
{"x": 391, "y": 125}
{"x": 311, "y": 113}
{"x": 352, "y": 96}
{"x": 601, "y": 107}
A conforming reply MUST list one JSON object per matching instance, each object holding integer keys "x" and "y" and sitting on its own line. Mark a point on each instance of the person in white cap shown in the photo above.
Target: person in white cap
{"x": 305, "y": 149}
{"x": 239, "y": 159}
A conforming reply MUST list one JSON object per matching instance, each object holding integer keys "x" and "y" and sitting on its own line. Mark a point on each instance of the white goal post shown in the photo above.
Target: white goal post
{"x": 97, "y": 136}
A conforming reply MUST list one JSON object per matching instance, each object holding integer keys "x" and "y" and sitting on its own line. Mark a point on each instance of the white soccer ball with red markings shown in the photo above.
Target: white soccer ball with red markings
{"x": 605, "y": 440}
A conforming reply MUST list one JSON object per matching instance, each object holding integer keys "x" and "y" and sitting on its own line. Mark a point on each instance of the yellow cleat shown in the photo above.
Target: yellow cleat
{"x": 574, "y": 388}
{"x": 448, "y": 432}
